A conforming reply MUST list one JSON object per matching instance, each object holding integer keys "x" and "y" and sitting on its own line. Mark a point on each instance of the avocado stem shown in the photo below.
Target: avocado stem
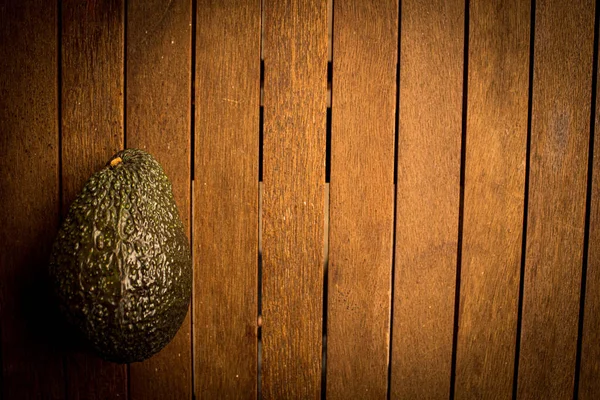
{"x": 115, "y": 161}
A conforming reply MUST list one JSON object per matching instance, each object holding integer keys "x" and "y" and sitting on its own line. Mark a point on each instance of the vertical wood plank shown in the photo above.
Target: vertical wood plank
{"x": 589, "y": 379}
{"x": 158, "y": 115}
{"x": 92, "y": 131}
{"x": 428, "y": 191}
{"x": 361, "y": 198}
{"x": 496, "y": 148}
{"x": 295, "y": 96}
{"x": 557, "y": 190}
{"x": 226, "y": 199}
{"x": 30, "y": 361}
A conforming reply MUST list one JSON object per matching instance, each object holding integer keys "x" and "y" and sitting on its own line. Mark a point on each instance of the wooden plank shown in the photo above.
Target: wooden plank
{"x": 92, "y": 131}
{"x": 589, "y": 379}
{"x": 428, "y": 190}
{"x": 494, "y": 193}
{"x": 295, "y": 96}
{"x": 560, "y": 124}
{"x": 226, "y": 199}
{"x": 31, "y": 364}
{"x": 362, "y": 198}
{"x": 158, "y": 115}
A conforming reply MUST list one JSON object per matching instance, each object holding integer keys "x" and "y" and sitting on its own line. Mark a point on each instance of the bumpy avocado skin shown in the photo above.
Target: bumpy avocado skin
{"x": 121, "y": 264}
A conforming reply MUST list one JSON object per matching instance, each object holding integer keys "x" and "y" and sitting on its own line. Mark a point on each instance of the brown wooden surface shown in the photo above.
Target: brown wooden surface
{"x": 557, "y": 189}
{"x": 31, "y": 364}
{"x": 496, "y": 146}
{"x": 295, "y": 90}
{"x": 226, "y": 199}
{"x": 220, "y": 356}
{"x": 158, "y": 110}
{"x": 361, "y": 198}
{"x": 92, "y": 131}
{"x": 429, "y": 145}
{"x": 589, "y": 379}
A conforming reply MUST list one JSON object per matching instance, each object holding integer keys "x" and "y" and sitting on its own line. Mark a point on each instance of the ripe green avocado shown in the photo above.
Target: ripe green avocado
{"x": 121, "y": 265}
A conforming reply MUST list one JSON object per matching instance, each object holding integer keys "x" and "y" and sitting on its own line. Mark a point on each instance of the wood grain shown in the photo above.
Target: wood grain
{"x": 496, "y": 148}
{"x": 158, "y": 115}
{"x": 92, "y": 131}
{"x": 589, "y": 379}
{"x": 31, "y": 364}
{"x": 226, "y": 199}
{"x": 560, "y": 124}
{"x": 362, "y": 198}
{"x": 428, "y": 190}
{"x": 295, "y": 96}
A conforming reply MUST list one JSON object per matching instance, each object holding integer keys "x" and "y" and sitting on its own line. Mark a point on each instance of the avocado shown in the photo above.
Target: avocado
{"x": 121, "y": 264}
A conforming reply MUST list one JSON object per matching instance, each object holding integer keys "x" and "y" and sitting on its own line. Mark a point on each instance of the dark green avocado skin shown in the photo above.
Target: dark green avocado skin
{"x": 121, "y": 264}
